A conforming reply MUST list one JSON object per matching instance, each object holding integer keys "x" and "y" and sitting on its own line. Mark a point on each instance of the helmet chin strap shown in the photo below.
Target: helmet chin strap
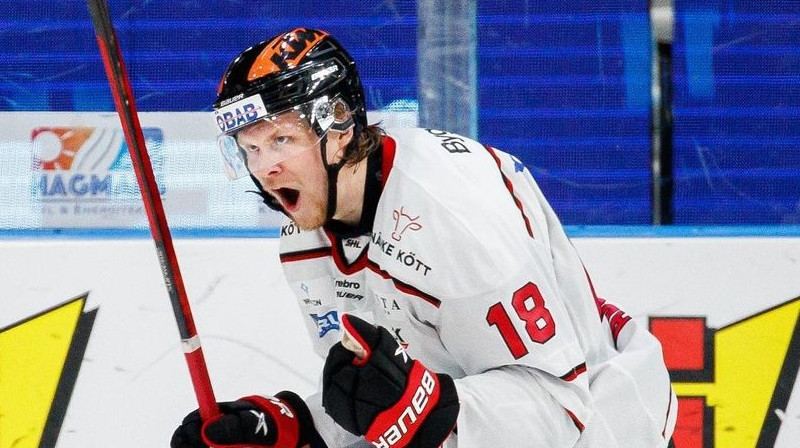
{"x": 333, "y": 170}
{"x": 333, "y": 176}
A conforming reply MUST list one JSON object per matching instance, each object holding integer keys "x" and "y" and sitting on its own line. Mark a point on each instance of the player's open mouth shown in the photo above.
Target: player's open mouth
{"x": 288, "y": 198}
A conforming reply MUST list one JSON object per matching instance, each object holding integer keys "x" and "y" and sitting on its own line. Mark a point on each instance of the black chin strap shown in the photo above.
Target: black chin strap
{"x": 372, "y": 193}
{"x": 333, "y": 176}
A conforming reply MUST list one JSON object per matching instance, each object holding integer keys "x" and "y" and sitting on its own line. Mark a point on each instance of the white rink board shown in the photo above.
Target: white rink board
{"x": 133, "y": 387}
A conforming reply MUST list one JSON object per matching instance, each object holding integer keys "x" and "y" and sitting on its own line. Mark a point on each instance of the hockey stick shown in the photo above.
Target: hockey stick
{"x": 123, "y": 99}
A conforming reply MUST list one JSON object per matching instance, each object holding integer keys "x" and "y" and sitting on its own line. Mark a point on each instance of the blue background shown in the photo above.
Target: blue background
{"x": 567, "y": 88}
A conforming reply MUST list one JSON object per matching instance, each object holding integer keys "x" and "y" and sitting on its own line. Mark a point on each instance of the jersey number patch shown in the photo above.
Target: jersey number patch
{"x": 529, "y": 306}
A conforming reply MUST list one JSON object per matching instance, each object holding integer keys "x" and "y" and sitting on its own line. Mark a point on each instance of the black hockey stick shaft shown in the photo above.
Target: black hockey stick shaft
{"x": 126, "y": 108}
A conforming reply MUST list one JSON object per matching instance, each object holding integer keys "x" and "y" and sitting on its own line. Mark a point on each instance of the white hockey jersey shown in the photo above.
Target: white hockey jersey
{"x": 469, "y": 267}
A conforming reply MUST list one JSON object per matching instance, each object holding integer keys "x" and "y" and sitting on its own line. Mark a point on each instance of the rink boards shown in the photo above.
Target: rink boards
{"x": 89, "y": 349}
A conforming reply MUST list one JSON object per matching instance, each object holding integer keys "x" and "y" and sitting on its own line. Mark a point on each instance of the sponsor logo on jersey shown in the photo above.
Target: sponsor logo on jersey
{"x": 348, "y": 289}
{"x": 733, "y": 383}
{"x": 389, "y": 304}
{"x": 41, "y": 358}
{"x": 403, "y": 222}
{"x": 290, "y": 229}
{"x": 307, "y": 296}
{"x": 326, "y": 322}
{"x": 404, "y": 257}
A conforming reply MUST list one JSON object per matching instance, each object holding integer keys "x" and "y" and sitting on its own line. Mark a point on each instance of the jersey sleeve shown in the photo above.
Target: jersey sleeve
{"x": 502, "y": 406}
{"x": 303, "y": 256}
{"x": 503, "y": 315}
{"x": 520, "y": 351}
{"x": 520, "y": 348}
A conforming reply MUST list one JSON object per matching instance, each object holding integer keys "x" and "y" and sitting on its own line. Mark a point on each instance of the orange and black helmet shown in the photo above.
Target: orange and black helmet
{"x": 288, "y": 70}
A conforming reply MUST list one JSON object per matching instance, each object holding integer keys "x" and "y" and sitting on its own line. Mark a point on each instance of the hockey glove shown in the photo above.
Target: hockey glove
{"x": 283, "y": 421}
{"x": 372, "y": 388}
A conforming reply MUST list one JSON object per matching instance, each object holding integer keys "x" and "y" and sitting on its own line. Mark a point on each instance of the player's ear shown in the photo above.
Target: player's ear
{"x": 343, "y": 129}
{"x": 344, "y": 137}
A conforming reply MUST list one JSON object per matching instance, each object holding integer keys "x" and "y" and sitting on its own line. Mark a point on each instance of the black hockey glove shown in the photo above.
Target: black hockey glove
{"x": 383, "y": 394}
{"x": 282, "y": 421}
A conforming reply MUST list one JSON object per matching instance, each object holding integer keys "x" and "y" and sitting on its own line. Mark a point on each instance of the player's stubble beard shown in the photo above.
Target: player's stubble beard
{"x": 313, "y": 213}
{"x": 314, "y": 210}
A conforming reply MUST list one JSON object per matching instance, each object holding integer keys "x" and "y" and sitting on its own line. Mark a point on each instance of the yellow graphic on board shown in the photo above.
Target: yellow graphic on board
{"x": 749, "y": 358}
{"x": 33, "y": 356}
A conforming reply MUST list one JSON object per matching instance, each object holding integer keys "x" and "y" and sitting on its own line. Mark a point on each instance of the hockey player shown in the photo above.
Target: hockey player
{"x": 433, "y": 276}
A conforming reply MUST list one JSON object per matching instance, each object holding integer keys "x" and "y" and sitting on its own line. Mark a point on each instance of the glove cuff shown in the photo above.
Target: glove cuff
{"x": 438, "y": 426}
{"x": 290, "y": 415}
{"x": 304, "y": 419}
{"x": 424, "y": 415}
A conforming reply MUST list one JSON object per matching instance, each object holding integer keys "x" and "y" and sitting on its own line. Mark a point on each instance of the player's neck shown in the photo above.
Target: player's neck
{"x": 350, "y": 193}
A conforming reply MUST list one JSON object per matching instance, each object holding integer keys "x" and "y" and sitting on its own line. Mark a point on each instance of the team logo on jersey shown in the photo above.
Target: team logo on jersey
{"x": 326, "y": 322}
{"x": 403, "y": 222}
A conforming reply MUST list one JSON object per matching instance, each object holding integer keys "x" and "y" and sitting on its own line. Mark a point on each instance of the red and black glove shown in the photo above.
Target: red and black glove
{"x": 372, "y": 388}
{"x": 282, "y": 421}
